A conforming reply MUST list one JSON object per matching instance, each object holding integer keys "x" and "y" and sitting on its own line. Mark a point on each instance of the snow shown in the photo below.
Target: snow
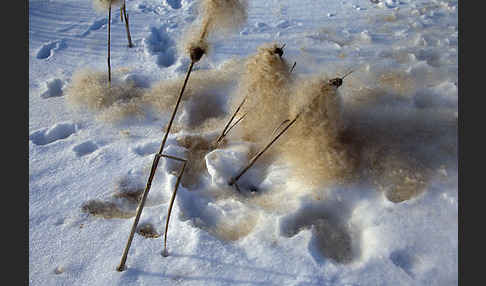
{"x": 286, "y": 233}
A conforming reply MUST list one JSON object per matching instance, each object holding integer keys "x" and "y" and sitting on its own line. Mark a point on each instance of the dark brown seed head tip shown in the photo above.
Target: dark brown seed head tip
{"x": 196, "y": 53}
{"x": 278, "y": 51}
{"x": 337, "y": 82}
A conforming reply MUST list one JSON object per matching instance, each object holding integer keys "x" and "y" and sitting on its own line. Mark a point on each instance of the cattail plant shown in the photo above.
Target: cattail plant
{"x": 217, "y": 15}
{"x": 264, "y": 86}
{"x": 315, "y": 138}
{"x": 275, "y": 50}
{"x": 101, "y": 5}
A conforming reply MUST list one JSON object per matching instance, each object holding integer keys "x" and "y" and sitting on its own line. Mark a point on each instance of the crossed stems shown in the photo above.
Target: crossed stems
{"x": 155, "y": 163}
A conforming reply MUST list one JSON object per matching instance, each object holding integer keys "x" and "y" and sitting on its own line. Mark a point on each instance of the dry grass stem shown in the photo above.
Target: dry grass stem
{"x": 255, "y": 158}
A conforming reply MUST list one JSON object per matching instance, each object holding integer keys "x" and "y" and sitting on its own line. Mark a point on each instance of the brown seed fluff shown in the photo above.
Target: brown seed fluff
{"x": 217, "y": 17}
{"x": 313, "y": 146}
{"x": 265, "y": 83}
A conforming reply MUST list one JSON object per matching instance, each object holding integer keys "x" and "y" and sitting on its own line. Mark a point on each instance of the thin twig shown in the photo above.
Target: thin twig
{"x": 229, "y": 122}
{"x": 165, "y": 253}
{"x": 234, "y": 124}
{"x": 253, "y": 160}
{"x": 281, "y": 124}
{"x": 293, "y": 66}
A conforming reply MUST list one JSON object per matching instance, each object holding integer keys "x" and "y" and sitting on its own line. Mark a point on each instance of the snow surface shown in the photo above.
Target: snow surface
{"x": 335, "y": 236}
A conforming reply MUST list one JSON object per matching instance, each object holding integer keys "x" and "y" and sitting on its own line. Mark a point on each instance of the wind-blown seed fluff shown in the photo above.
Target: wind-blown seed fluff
{"x": 265, "y": 83}
{"x": 312, "y": 146}
{"x": 164, "y": 94}
{"x": 102, "y": 5}
{"x": 222, "y": 16}
{"x": 217, "y": 17}
{"x": 89, "y": 90}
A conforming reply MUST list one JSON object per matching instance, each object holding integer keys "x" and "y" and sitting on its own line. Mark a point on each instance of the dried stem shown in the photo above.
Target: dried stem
{"x": 109, "y": 29}
{"x": 223, "y": 134}
{"x": 165, "y": 253}
{"x": 127, "y": 25}
{"x": 234, "y": 124}
{"x": 155, "y": 162}
{"x": 253, "y": 160}
{"x": 293, "y": 66}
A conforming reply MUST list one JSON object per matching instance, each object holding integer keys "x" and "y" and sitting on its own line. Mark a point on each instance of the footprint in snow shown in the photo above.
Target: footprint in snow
{"x": 57, "y": 132}
{"x": 96, "y": 25}
{"x": 160, "y": 45}
{"x": 174, "y": 4}
{"x": 53, "y": 88}
{"x": 47, "y": 50}
{"x": 85, "y": 148}
{"x": 332, "y": 238}
{"x": 146, "y": 148}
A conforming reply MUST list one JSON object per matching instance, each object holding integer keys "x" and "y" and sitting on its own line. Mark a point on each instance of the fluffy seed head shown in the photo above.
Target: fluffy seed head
{"x": 102, "y": 5}
{"x": 222, "y": 16}
{"x": 265, "y": 83}
{"x": 217, "y": 17}
{"x": 312, "y": 146}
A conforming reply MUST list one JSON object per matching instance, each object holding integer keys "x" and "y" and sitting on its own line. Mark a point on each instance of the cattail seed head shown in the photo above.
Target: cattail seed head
{"x": 196, "y": 53}
{"x": 266, "y": 84}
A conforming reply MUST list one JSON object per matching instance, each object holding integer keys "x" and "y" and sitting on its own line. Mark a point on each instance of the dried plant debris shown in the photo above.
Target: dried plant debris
{"x": 89, "y": 90}
{"x": 122, "y": 204}
{"x": 147, "y": 230}
{"x": 106, "y": 209}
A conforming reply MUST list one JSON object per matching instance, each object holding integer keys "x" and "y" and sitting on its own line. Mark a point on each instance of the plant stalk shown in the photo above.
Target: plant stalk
{"x": 109, "y": 29}
{"x": 155, "y": 162}
{"x": 253, "y": 160}
{"x": 127, "y": 25}
{"x": 165, "y": 253}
